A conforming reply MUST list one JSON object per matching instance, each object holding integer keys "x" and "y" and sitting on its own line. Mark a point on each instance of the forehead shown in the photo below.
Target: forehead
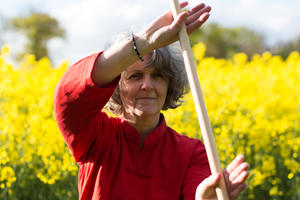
{"x": 140, "y": 67}
{"x": 147, "y": 65}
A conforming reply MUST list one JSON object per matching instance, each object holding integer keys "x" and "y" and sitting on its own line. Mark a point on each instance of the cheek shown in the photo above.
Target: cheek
{"x": 163, "y": 88}
{"x": 127, "y": 94}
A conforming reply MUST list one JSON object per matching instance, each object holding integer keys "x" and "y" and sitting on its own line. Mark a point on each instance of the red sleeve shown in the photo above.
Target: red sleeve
{"x": 197, "y": 171}
{"x": 78, "y": 103}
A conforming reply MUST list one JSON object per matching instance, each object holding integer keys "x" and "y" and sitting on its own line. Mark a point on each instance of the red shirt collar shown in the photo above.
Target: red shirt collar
{"x": 153, "y": 138}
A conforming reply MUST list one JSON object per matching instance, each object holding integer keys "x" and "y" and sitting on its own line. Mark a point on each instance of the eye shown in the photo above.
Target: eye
{"x": 135, "y": 76}
{"x": 158, "y": 75}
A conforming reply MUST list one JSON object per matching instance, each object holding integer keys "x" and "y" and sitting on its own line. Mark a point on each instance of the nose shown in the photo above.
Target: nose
{"x": 147, "y": 83}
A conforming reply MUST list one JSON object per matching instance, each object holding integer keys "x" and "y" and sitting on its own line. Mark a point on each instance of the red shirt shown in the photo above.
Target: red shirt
{"x": 112, "y": 166}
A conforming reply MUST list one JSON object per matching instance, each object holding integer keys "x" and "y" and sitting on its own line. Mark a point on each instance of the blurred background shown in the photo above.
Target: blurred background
{"x": 248, "y": 62}
{"x": 86, "y": 26}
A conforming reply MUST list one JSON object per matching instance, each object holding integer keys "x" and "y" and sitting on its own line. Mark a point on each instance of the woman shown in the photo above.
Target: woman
{"x": 136, "y": 155}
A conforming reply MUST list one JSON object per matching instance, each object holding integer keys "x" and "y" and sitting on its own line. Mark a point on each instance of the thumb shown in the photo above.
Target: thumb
{"x": 178, "y": 21}
{"x": 206, "y": 189}
{"x": 213, "y": 180}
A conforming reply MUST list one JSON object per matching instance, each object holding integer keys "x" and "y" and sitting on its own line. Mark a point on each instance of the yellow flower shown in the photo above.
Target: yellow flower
{"x": 253, "y": 107}
{"x": 274, "y": 191}
{"x": 240, "y": 59}
{"x": 291, "y": 175}
{"x": 199, "y": 51}
{"x": 5, "y": 50}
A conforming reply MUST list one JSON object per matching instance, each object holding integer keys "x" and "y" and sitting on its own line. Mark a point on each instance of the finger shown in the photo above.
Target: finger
{"x": 195, "y": 14}
{"x": 213, "y": 180}
{"x": 238, "y": 170}
{"x": 179, "y": 20}
{"x": 237, "y": 191}
{"x": 236, "y": 162}
{"x": 206, "y": 189}
{"x": 239, "y": 180}
{"x": 196, "y": 24}
{"x": 183, "y": 4}
{"x": 196, "y": 8}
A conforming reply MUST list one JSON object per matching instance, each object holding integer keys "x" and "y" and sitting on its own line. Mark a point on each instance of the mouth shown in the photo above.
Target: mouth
{"x": 146, "y": 98}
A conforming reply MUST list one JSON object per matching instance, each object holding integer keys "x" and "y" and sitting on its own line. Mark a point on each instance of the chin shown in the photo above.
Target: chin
{"x": 147, "y": 113}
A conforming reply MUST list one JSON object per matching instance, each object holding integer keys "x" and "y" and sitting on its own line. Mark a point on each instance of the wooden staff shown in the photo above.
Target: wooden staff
{"x": 206, "y": 130}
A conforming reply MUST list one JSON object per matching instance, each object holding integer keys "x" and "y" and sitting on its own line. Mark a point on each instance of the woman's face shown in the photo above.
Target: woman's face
{"x": 143, "y": 90}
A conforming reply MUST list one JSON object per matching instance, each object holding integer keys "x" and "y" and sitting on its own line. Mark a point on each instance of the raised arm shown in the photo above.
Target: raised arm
{"x": 78, "y": 100}
{"x": 161, "y": 32}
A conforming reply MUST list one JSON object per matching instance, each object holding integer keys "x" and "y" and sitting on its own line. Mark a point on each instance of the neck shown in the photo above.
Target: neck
{"x": 144, "y": 125}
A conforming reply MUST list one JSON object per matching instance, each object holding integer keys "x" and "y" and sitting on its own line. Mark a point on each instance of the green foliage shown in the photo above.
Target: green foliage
{"x": 38, "y": 28}
{"x": 283, "y": 49}
{"x": 224, "y": 42}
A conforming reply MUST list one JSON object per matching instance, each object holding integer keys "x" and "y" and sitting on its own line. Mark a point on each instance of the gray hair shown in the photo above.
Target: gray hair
{"x": 167, "y": 60}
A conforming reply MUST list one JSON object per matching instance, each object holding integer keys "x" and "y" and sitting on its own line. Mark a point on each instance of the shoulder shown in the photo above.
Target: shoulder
{"x": 191, "y": 150}
{"x": 183, "y": 139}
{"x": 108, "y": 120}
{"x": 184, "y": 143}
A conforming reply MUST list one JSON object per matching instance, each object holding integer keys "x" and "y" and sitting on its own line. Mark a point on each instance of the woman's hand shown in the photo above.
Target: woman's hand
{"x": 235, "y": 176}
{"x": 164, "y": 30}
{"x": 161, "y": 32}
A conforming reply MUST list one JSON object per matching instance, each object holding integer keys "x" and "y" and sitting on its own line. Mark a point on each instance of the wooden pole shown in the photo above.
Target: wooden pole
{"x": 206, "y": 130}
